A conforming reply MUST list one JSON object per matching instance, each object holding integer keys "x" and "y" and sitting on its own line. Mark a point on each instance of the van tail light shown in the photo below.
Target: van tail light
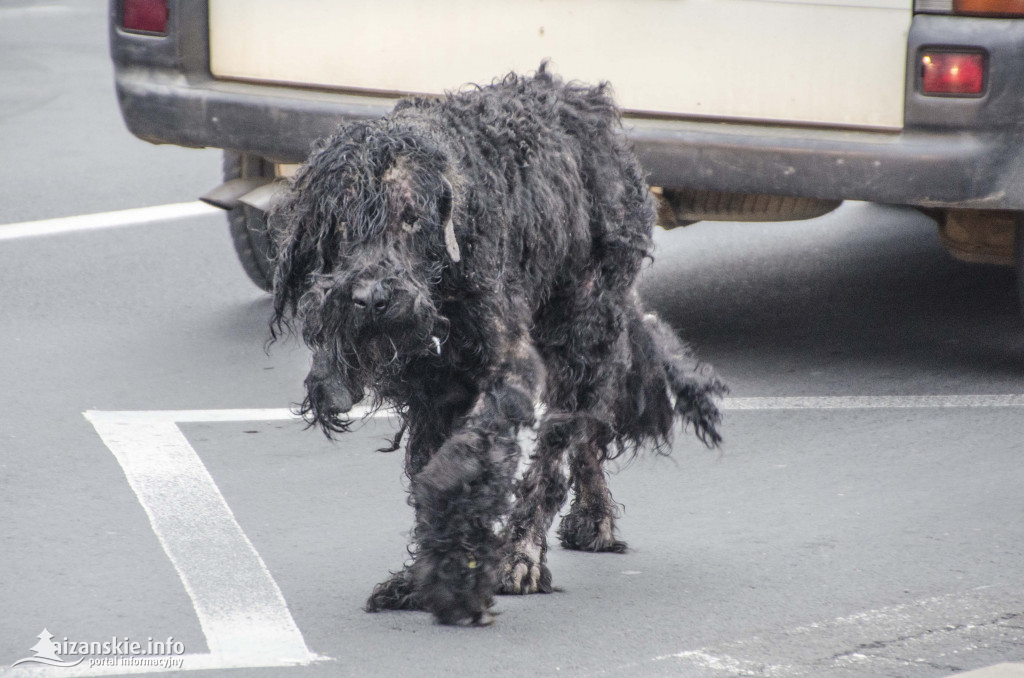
{"x": 989, "y": 7}
{"x": 144, "y": 16}
{"x": 1004, "y": 8}
{"x": 953, "y": 73}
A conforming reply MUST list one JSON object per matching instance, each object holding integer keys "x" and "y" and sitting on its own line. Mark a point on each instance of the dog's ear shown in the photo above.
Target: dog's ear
{"x": 445, "y": 205}
{"x": 405, "y": 185}
{"x": 299, "y": 251}
{"x": 285, "y": 269}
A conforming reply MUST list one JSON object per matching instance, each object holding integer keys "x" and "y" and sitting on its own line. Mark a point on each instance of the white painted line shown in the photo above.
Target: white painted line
{"x": 873, "y": 402}
{"x": 1007, "y": 670}
{"x": 240, "y": 608}
{"x": 728, "y": 666}
{"x": 733, "y": 404}
{"x": 11, "y": 12}
{"x": 246, "y": 620}
{"x": 92, "y": 222}
{"x": 215, "y": 416}
{"x": 896, "y": 640}
{"x": 189, "y": 662}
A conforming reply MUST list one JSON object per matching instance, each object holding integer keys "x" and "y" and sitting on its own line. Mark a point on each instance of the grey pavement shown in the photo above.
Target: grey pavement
{"x": 850, "y": 542}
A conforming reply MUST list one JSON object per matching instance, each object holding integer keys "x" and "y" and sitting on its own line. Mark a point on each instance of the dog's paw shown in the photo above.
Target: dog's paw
{"x": 455, "y": 586}
{"x": 583, "y": 530}
{"x": 395, "y": 593}
{"x": 523, "y": 570}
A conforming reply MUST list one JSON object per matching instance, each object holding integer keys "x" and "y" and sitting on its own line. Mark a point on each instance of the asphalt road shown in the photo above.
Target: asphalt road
{"x": 831, "y": 537}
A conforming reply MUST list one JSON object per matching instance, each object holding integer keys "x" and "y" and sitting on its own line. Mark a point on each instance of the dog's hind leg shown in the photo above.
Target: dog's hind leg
{"x": 538, "y": 497}
{"x": 584, "y": 372}
{"x": 589, "y": 524}
{"x": 542, "y": 492}
{"x": 663, "y": 381}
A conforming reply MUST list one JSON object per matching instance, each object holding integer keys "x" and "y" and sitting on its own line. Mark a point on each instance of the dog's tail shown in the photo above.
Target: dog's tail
{"x": 667, "y": 381}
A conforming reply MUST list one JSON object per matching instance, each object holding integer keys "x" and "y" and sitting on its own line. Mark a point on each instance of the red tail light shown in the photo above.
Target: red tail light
{"x": 989, "y": 7}
{"x": 953, "y": 73}
{"x": 144, "y": 16}
{"x": 1000, "y": 8}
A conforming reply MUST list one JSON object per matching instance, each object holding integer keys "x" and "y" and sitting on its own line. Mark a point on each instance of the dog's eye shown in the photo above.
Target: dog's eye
{"x": 409, "y": 221}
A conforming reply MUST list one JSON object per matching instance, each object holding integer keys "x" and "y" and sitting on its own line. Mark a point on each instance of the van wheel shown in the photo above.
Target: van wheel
{"x": 1018, "y": 255}
{"x": 253, "y": 243}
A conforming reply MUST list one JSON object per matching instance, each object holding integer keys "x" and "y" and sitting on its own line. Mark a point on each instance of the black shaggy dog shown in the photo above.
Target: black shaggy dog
{"x": 461, "y": 260}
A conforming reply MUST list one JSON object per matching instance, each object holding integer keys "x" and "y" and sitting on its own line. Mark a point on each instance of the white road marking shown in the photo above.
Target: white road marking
{"x": 729, "y": 666}
{"x": 733, "y": 404}
{"x": 189, "y": 662}
{"x": 1006, "y": 670}
{"x": 928, "y": 633}
{"x": 11, "y": 12}
{"x": 873, "y": 402}
{"x": 241, "y": 610}
{"x": 213, "y": 416}
{"x": 102, "y": 220}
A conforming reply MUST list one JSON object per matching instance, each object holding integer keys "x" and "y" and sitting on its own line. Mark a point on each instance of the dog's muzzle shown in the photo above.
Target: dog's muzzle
{"x": 371, "y": 298}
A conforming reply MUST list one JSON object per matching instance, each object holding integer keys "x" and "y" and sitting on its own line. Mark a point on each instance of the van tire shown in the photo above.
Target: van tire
{"x": 1018, "y": 257}
{"x": 248, "y": 225}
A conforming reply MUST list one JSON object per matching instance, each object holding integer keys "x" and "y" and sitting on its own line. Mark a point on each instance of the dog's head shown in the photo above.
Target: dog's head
{"x": 364, "y": 235}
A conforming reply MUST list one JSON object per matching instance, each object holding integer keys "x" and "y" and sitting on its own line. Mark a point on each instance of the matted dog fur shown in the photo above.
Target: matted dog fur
{"x": 462, "y": 260}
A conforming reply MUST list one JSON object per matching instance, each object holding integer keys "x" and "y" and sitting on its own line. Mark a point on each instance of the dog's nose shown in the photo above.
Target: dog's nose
{"x": 371, "y": 297}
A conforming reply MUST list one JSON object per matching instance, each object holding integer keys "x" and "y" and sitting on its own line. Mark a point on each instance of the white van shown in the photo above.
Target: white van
{"x": 739, "y": 109}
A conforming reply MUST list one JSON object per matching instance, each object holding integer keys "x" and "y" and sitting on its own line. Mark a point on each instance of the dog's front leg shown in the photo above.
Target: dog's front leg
{"x": 462, "y": 493}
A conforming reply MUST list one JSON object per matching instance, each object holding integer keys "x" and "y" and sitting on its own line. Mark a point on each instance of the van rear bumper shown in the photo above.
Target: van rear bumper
{"x": 950, "y": 153}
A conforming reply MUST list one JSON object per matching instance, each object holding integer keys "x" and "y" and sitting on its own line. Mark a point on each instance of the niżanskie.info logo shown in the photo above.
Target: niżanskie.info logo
{"x": 114, "y": 652}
